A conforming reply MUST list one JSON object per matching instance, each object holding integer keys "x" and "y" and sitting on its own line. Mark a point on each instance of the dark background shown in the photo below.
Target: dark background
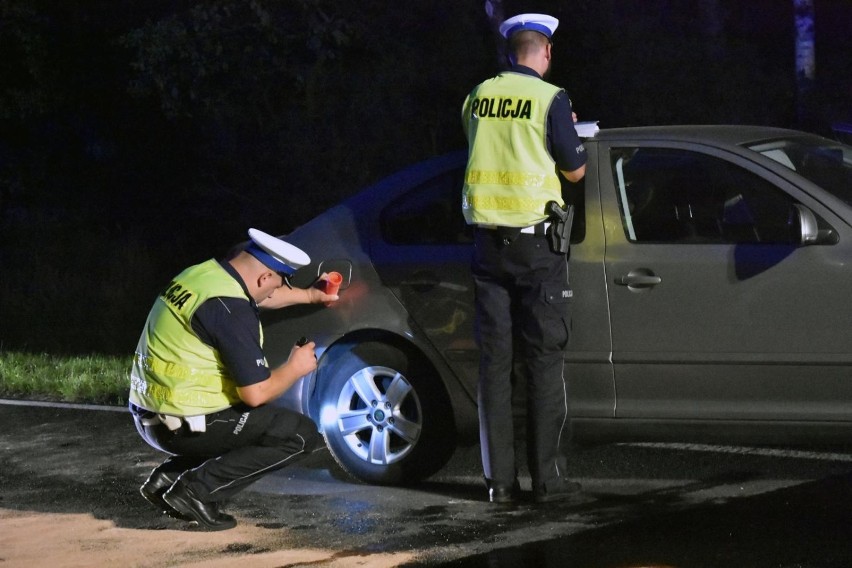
{"x": 140, "y": 136}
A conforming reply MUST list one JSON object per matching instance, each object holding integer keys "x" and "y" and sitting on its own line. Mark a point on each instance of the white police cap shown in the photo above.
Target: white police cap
{"x": 541, "y": 23}
{"x": 275, "y": 253}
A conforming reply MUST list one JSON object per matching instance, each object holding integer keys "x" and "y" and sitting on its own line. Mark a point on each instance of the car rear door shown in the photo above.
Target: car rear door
{"x": 716, "y": 314}
{"x": 422, "y": 250}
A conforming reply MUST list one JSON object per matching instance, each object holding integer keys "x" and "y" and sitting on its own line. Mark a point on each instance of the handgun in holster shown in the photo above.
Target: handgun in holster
{"x": 559, "y": 231}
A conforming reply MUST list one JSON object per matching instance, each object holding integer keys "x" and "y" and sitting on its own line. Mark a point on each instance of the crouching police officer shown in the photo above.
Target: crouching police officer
{"x": 521, "y": 138}
{"x": 200, "y": 383}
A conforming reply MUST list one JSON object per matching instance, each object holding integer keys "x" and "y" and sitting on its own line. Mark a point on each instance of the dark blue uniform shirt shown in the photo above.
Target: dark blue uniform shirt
{"x": 231, "y": 327}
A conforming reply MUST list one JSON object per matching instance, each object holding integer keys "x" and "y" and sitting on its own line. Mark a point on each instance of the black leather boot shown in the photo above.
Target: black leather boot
{"x": 155, "y": 486}
{"x": 207, "y": 515}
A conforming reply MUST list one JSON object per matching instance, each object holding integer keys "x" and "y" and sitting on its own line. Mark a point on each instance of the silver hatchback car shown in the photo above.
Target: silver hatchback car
{"x": 711, "y": 267}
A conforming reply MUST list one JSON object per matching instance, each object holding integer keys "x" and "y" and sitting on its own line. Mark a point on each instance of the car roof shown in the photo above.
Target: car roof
{"x": 718, "y": 134}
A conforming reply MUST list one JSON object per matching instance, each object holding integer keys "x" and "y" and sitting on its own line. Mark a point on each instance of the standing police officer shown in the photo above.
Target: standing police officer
{"x": 200, "y": 383}
{"x": 520, "y": 132}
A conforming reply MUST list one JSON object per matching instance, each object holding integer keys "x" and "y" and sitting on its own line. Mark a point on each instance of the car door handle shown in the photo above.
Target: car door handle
{"x": 640, "y": 278}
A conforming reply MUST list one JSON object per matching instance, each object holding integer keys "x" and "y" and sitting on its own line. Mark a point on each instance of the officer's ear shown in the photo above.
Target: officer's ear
{"x": 264, "y": 277}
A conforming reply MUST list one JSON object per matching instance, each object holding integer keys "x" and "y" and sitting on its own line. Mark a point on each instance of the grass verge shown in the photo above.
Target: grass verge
{"x": 90, "y": 379}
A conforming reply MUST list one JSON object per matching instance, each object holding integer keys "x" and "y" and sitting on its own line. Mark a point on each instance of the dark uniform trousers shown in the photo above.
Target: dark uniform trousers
{"x": 240, "y": 445}
{"x": 522, "y": 291}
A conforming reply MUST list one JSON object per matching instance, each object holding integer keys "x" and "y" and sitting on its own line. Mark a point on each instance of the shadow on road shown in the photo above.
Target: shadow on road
{"x": 805, "y": 526}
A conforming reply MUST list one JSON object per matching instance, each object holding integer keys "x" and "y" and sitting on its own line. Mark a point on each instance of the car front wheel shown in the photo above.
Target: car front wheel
{"x": 384, "y": 414}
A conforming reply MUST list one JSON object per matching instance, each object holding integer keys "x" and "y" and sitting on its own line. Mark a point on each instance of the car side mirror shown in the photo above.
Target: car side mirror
{"x": 807, "y": 225}
{"x": 811, "y": 234}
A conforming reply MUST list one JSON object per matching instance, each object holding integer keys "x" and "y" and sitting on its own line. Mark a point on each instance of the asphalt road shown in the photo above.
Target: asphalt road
{"x": 642, "y": 505}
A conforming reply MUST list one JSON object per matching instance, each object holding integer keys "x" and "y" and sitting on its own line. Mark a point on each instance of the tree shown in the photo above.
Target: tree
{"x": 290, "y": 96}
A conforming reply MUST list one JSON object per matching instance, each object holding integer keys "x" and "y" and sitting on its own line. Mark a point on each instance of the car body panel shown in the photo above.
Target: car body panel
{"x": 588, "y": 358}
{"x": 737, "y": 340}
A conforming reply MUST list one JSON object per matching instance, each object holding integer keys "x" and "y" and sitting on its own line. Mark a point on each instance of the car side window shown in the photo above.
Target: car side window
{"x": 678, "y": 196}
{"x": 430, "y": 214}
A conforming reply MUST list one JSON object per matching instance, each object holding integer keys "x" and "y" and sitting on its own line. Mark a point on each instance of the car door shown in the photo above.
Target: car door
{"x": 422, "y": 252}
{"x": 717, "y": 313}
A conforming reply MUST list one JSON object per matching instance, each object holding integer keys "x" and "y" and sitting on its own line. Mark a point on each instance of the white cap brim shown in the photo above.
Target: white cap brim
{"x": 541, "y": 23}
{"x": 276, "y": 254}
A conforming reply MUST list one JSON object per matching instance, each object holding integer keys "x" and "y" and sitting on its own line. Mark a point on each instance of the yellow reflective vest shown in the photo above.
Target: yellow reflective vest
{"x": 174, "y": 372}
{"x": 510, "y": 174}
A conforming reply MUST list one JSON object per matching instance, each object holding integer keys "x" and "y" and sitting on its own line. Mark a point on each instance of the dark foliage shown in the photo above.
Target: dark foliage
{"x": 139, "y": 137}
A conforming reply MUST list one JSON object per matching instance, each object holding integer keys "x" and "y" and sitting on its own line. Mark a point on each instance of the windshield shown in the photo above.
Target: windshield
{"x": 822, "y": 161}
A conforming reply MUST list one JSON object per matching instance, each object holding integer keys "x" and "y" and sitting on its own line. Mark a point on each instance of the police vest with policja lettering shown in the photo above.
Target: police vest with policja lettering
{"x": 174, "y": 372}
{"x": 510, "y": 175}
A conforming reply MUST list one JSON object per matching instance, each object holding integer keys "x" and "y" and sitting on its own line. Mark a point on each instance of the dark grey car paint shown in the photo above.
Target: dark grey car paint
{"x": 716, "y": 341}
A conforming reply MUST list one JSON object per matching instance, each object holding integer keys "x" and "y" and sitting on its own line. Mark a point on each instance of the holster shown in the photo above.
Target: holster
{"x": 559, "y": 231}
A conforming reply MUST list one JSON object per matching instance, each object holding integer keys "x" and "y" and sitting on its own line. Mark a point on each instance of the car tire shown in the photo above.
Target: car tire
{"x": 384, "y": 414}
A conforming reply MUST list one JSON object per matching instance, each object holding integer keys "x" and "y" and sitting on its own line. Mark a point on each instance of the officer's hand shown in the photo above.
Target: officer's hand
{"x": 317, "y": 296}
{"x": 302, "y": 358}
{"x": 318, "y": 292}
